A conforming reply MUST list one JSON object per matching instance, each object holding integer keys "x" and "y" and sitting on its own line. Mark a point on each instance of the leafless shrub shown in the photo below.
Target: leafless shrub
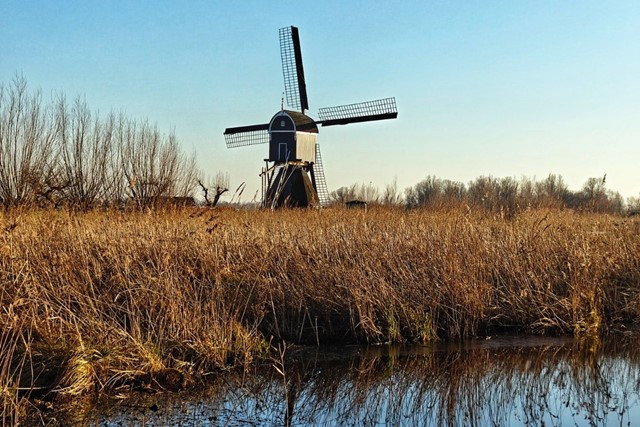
{"x": 85, "y": 144}
{"x": 26, "y": 145}
{"x": 343, "y": 194}
{"x": 633, "y": 206}
{"x": 153, "y": 165}
{"x": 552, "y": 192}
{"x": 508, "y": 197}
{"x": 61, "y": 153}
{"x": 366, "y": 192}
{"x": 435, "y": 193}
{"x": 424, "y": 193}
{"x": 391, "y": 196}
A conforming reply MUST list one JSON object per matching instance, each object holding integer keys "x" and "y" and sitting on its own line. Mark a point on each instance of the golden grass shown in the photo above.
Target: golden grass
{"x": 105, "y": 301}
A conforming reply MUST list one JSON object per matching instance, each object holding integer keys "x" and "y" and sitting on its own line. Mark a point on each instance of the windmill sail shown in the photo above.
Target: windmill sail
{"x": 380, "y": 109}
{"x": 246, "y": 135}
{"x": 295, "y": 87}
{"x": 319, "y": 179}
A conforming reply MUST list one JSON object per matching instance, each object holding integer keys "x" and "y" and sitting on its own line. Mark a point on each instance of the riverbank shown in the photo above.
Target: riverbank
{"x": 105, "y": 302}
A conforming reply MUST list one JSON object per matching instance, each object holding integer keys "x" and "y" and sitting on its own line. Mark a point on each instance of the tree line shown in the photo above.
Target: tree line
{"x": 61, "y": 153}
{"x": 506, "y": 195}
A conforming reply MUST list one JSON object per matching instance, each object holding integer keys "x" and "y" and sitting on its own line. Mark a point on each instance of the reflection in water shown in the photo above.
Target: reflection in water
{"x": 494, "y": 382}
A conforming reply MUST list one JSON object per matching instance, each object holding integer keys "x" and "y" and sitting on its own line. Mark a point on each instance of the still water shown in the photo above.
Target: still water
{"x": 489, "y": 382}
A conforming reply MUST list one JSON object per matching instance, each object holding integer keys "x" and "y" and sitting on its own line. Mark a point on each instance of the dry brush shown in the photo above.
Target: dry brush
{"x": 104, "y": 301}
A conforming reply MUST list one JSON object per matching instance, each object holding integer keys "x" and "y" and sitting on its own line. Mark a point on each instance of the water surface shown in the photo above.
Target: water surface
{"x": 499, "y": 381}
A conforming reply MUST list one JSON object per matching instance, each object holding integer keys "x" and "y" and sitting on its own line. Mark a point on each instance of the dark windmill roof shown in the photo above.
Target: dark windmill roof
{"x": 303, "y": 122}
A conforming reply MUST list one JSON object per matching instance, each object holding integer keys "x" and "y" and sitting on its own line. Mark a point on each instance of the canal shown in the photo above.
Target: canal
{"x": 511, "y": 381}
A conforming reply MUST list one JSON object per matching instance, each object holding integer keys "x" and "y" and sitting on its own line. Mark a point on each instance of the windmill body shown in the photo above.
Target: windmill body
{"x": 294, "y": 175}
{"x": 292, "y": 138}
{"x": 292, "y": 150}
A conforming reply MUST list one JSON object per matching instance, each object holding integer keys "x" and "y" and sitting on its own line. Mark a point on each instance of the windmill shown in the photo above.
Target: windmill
{"x": 293, "y": 175}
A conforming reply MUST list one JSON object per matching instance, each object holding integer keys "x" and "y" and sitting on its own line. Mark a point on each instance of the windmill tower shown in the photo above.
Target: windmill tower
{"x": 293, "y": 175}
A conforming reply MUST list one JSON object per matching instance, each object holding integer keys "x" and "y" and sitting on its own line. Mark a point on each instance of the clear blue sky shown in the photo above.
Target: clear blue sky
{"x": 506, "y": 88}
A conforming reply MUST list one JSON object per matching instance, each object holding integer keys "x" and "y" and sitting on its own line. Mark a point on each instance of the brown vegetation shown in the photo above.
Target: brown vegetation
{"x": 505, "y": 196}
{"x": 60, "y": 153}
{"x": 103, "y": 301}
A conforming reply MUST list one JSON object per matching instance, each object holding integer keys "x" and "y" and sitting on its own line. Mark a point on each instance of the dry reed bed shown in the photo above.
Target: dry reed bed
{"x": 105, "y": 301}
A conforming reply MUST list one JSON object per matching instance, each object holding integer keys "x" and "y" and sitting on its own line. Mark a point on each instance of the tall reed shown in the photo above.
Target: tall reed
{"x": 105, "y": 302}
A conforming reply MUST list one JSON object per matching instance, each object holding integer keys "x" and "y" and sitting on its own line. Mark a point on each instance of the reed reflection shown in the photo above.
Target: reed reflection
{"x": 497, "y": 382}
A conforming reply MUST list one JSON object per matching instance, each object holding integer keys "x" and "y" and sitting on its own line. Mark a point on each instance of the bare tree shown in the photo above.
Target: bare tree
{"x": 368, "y": 193}
{"x": 63, "y": 152}
{"x": 85, "y": 143}
{"x": 633, "y": 206}
{"x": 593, "y": 196}
{"x": 364, "y": 192}
{"x": 343, "y": 194}
{"x": 391, "y": 195}
{"x": 552, "y": 191}
{"x": 426, "y": 192}
{"x": 152, "y": 164}
{"x": 26, "y": 145}
{"x": 453, "y": 191}
{"x": 220, "y": 185}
